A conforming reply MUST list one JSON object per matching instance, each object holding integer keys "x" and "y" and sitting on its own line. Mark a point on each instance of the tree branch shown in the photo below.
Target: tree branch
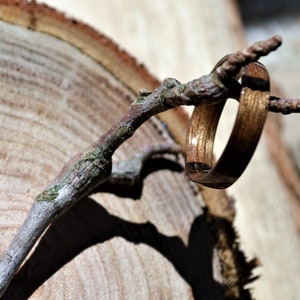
{"x": 93, "y": 166}
{"x": 128, "y": 172}
{"x": 284, "y": 105}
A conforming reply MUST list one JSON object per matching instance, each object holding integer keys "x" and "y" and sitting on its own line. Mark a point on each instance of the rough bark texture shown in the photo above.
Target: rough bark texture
{"x": 154, "y": 242}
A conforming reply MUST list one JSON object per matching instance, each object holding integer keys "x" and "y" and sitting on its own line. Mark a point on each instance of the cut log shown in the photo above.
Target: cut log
{"x": 156, "y": 242}
{"x": 184, "y": 39}
{"x": 63, "y": 85}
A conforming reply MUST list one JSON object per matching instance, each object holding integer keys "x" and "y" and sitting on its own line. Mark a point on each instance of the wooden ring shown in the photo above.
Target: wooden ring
{"x": 248, "y": 126}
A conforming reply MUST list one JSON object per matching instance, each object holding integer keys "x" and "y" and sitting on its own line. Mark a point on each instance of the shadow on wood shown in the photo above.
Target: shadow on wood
{"x": 88, "y": 223}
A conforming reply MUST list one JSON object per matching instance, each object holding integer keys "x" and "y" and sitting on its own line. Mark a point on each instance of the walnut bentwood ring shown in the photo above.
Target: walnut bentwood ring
{"x": 249, "y": 123}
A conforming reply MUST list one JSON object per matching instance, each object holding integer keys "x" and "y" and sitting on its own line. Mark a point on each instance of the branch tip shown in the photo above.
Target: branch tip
{"x": 231, "y": 65}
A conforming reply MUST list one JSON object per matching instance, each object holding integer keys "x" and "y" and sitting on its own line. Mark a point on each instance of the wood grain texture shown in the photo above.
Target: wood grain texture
{"x": 51, "y": 107}
{"x": 150, "y": 242}
{"x": 186, "y": 43}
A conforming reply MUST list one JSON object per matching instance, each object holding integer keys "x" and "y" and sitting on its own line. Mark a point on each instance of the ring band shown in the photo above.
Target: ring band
{"x": 248, "y": 126}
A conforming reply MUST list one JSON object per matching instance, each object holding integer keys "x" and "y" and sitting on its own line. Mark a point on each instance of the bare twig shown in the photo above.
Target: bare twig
{"x": 93, "y": 166}
{"x": 234, "y": 62}
{"x": 284, "y": 105}
{"x": 128, "y": 172}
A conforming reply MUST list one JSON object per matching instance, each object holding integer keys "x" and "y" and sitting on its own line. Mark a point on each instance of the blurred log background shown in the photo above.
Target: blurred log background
{"x": 184, "y": 39}
{"x": 283, "y": 17}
